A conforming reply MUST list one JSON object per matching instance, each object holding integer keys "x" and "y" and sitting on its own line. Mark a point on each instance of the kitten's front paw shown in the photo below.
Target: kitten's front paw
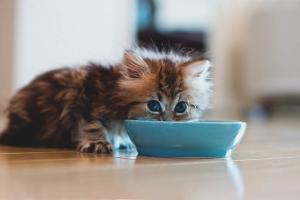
{"x": 99, "y": 146}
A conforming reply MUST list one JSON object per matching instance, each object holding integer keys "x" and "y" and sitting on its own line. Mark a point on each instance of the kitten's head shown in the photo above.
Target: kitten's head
{"x": 168, "y": 86}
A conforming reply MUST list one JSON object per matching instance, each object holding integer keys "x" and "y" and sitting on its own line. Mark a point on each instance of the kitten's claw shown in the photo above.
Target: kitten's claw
{"x": 99, "y": 146}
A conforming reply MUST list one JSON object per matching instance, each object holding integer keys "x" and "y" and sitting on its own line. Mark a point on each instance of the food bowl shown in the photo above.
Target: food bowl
{"x": 185, "y": 139}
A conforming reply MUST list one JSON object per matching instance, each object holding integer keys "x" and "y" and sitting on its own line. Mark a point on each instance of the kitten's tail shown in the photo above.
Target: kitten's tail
{"x": 5, "y": 137}
{"x": 10, "y": 138}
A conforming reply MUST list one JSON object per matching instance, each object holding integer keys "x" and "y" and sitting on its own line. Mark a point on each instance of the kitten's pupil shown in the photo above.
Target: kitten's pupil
{"x": 180, "y": 107}
{"x": 154, "y": 105}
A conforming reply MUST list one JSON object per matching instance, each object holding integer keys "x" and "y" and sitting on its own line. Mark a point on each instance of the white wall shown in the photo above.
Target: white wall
{"x": 195, "y": 15}
{"x": 55, "y": 33}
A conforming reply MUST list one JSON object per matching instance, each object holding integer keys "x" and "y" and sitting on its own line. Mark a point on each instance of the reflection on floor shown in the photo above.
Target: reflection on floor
{"x": 265, "y": 165}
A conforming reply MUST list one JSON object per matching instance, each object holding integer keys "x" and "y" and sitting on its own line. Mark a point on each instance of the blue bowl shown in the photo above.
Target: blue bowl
{"x": 185, "y": 139}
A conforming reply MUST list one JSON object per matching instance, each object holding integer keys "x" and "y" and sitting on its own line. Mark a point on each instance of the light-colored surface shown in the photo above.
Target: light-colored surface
{"x": 256, "y": 58}
{"x": 7, "y": 11}
{"x": 269, "y": 56}
{"x": 266, "y": 165}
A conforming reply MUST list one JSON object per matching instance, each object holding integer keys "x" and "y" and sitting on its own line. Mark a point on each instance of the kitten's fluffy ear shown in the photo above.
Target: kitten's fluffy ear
{"x": 197, "y": 68}
{"x": 134, "y": 65}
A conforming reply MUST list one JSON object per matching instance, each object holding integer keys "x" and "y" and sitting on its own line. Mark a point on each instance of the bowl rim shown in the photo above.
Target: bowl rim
{"x": 189, "y": 122}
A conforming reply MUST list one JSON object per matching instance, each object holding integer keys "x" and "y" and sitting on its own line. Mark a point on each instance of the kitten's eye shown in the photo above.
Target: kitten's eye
{"x": 154, "y": 105}
{"x": 180, "y": 107}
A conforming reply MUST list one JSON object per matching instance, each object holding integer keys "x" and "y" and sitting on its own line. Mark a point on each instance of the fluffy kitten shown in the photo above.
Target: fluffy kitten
{"x": 85, "y": 108}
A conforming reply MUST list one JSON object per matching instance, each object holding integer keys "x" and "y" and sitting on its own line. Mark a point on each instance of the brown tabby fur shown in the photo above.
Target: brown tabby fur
{"x": 77, "y": 108}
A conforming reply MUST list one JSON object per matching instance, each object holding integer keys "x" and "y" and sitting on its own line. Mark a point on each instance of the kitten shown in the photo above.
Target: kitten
{"x": 85, "y": 108}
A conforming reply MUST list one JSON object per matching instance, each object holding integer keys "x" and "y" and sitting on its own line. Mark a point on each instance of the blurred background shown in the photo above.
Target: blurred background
{"x": 253, "y": 45}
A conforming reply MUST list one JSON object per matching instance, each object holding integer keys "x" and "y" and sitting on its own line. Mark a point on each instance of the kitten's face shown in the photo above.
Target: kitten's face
{"x": 164, "y": 88}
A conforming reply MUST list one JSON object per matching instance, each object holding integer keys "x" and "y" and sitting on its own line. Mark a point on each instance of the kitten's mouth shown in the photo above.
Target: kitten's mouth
{"x": 145, "y": 119}
{"x": 159, "y": 119}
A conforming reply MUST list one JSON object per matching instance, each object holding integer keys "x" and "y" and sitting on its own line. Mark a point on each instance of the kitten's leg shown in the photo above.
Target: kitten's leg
{"x": 91, "y": 137}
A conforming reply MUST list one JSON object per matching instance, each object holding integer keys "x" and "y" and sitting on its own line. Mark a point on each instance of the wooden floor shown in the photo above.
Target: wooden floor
{"x": 266, "y": 165}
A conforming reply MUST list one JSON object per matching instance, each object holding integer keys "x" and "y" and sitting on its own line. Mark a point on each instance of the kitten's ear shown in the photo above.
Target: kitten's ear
{"x": 197, "y": 68}
{"x": 134, "y": 65}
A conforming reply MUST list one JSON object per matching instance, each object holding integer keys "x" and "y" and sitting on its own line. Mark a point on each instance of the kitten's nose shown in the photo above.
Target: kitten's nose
{"x": 166, "y": 117}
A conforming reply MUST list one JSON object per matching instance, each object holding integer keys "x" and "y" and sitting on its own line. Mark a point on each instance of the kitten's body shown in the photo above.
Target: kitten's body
{"x": 78, "y": 108}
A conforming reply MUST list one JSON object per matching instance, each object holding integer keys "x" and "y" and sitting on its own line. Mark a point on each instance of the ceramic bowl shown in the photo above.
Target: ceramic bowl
{"x": 185, "y": 139}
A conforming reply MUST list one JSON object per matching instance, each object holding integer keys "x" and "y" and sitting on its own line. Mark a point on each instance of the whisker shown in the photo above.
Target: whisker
{"x": 188, "y": 111}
